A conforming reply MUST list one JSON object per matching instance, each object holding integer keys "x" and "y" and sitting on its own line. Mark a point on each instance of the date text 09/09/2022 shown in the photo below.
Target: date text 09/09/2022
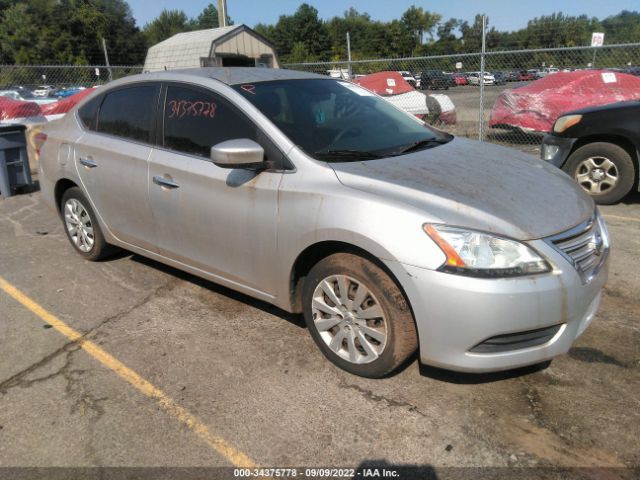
{"x": 316, "y": 472}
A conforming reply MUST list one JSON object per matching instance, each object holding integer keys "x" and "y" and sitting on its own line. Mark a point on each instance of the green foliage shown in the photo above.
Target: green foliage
{"x": 71, "y": 32}
{"x": 422, "y": 33}
{"x": 167, "y": 24}
{"x": 419, "y": 22}
{"x": 302, "y": 30}
{"x": 170, "y": 22}
{"x": 68, "y": 32}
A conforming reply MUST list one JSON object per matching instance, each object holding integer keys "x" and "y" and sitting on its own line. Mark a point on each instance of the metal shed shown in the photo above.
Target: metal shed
{"x": 232, "y": 46}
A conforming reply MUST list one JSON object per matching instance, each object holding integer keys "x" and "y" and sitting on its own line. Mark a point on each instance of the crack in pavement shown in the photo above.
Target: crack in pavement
{"x": 369, "y": 395}
{"x": 19, "y": 379}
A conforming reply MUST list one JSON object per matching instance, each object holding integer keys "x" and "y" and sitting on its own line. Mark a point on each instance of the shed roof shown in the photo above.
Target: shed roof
{"x": 184, "y": 50}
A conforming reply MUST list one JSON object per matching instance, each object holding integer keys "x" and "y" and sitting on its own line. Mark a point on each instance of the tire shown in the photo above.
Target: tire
{"x": 74, "y": 206}
{"x": 590, "y": 162}
{"x": 390, "y": 321}
{"x": 433, "y": 117}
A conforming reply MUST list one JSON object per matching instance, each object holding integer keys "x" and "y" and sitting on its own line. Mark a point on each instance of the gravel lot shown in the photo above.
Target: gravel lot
{"x": 252, "y": 377}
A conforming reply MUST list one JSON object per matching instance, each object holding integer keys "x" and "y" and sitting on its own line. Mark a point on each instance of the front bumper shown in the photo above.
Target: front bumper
{"x": 556, "y": 150}
{"x": 455, "y": 313}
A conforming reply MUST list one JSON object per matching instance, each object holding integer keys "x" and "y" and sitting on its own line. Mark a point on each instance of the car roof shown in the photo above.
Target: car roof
{"x": 229, "y": 75}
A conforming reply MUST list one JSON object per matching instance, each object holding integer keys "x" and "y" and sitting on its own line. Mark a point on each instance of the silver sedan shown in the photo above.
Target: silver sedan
{"x": 321, "y": 198}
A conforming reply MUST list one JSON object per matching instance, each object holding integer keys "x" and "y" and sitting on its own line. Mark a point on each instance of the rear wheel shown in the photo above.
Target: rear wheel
{"x": 81, "y": 226}
{"x": 358, "y": 316}
{"x": 603, "y": 170}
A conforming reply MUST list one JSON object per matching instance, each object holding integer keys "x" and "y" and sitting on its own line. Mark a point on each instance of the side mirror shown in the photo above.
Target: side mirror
{"x": 238, "y": 153}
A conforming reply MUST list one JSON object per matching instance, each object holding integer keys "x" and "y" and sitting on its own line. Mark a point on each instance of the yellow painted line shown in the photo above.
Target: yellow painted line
{"x": 219, "y": 444}
{"x": 620, "y": 217}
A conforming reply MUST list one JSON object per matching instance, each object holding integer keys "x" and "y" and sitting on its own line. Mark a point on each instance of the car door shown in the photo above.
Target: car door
{"x": 221, "y": 221}
{"x": 112, "y": 160}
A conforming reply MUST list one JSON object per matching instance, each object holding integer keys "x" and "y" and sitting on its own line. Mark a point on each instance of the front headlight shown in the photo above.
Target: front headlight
{"x": 479, "y": 254}
{"x": 563, "y": 123}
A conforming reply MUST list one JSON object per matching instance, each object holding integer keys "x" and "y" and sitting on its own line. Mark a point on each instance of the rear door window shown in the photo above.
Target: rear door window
{"x": 129, "y": 112}
{"x": 195, "y": 120}
{"x": 88, "y": 112}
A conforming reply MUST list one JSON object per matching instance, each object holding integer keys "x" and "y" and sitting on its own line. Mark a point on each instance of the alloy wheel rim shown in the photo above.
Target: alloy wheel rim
{"x": 597, "y": 175}
{"x": 79, "y": 226}
{"x": 349, "y": 319}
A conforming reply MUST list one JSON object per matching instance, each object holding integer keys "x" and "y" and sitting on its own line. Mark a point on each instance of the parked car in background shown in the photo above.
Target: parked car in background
{"x": 433, "y": 108}
{"x": 474, "y": 78}
{"x": 67, "y": 92}
{"x": 43, "y": 90}
{"x": 409, "y": 78}
{"x": 512, "y": 76}
{"x": 598, "y": 147}
{"x": 535, "y": 72}
{"x": 267, "y": 181}
{"x": 500, "y": 78}
{"x": 25, "y": 96}
{"x": 536, "y": 106}
{"x": 19, "y": 112}
{"x": 434, "y": 80}
{"x": 526, "y": 76}
{"x": 459, "y": 79}
{"x": 546, "y": 71}
{"x": 342, "y": 73}
{"x": 632, "y": 71}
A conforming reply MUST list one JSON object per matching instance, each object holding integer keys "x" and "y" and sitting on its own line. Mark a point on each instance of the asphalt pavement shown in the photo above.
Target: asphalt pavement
{"x": 168, "y": 370}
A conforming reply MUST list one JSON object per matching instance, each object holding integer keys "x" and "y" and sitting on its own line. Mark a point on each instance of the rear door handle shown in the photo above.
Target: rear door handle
{"x": 88, "y": 162}
{"x": 164, "y": 182}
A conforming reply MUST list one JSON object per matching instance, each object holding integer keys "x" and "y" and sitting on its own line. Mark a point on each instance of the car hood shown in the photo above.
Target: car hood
{"x": 476, "y": 185}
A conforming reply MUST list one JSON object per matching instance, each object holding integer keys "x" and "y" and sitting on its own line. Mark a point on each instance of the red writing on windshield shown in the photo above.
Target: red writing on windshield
{"x": 186, "y": 108}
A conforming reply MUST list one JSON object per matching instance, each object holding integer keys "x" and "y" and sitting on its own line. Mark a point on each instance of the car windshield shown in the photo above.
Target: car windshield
{"x": 334, "y": 120}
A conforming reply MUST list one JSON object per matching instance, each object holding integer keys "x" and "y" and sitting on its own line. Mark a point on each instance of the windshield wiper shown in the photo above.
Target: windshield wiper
{"x": 341, "y": 155}
{"x": 420, "y": 144}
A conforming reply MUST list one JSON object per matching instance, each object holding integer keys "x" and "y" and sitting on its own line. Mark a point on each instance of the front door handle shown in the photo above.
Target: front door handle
{"x": 164, "y": 182}
{"x": 88, "y": 162}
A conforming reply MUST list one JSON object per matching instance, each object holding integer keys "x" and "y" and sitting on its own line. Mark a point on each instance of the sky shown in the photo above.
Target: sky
{"x": 503, "y": 14}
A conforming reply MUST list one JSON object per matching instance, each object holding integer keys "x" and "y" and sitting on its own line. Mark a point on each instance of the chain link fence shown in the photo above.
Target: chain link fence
{"x": 524, "y": 91}
{"x": 510, "y": 108}
{"x": 60, "y": 77}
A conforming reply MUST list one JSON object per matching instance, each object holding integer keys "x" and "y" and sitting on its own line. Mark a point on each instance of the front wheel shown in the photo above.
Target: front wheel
{"x": 603, "y": 170}
{"x": 358, "y": 316}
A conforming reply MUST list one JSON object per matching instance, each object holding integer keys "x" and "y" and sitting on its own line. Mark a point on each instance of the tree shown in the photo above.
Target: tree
{"x": 167, "y": 24}
{"x": 622, "y": 28}
{"x": 208, "y": 18}
{"x": 69, "y": 32}
{"x": 302, "y": 27}
{"x": 420, "y": 22}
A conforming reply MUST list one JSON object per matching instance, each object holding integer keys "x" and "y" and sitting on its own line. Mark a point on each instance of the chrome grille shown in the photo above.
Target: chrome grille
{"x": 584, "y": 246}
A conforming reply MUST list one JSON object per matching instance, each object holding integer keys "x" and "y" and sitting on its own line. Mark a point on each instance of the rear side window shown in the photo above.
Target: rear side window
{"x": 128, "y": 112}
{"x": 88, "y": 112}
{"x": 195, "y": 120}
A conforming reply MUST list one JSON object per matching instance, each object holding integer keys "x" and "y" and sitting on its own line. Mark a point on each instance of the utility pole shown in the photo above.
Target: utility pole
{"x": 106, "y": 58}
{"x": 481, "y": 80}
{"x": 222, "y": 13}
{"x": 350, "y": 70}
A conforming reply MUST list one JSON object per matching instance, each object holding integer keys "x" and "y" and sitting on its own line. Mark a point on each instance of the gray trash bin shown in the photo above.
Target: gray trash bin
{"x": 14, "y": 162}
